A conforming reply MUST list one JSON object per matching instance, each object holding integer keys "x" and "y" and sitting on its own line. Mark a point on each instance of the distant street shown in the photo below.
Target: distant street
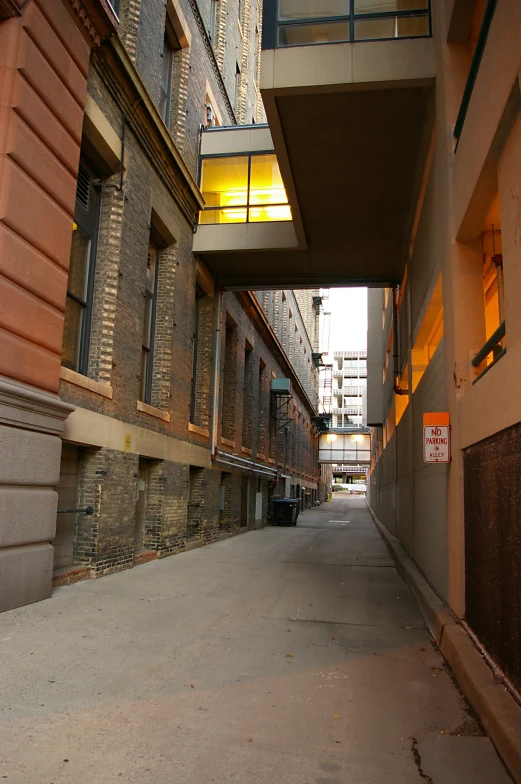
{"x": 282, "y": 656}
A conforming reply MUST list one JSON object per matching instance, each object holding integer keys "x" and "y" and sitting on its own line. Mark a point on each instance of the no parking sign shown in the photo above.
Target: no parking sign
{"x": 436, "y": 437}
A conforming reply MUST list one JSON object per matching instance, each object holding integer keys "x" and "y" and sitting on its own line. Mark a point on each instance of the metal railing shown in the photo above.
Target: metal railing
{"x": 474, "y": 66}
{"x": 492, "y": 346}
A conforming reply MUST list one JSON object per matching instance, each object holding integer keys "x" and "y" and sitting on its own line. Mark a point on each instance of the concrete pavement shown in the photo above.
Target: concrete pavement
{"x": 293, "y": 655}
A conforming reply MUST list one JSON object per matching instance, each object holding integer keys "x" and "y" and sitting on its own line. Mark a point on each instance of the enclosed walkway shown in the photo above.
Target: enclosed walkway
{"x": 281, "y": 656}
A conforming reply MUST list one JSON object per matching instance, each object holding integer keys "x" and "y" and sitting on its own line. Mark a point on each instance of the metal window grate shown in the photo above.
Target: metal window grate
{"x": 82, "y": 187}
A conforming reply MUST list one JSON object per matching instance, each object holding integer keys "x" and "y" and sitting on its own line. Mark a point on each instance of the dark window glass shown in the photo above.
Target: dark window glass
{"x": 166, "y": 81}
{"x": 80, "y": 286}
{"x": 199, "y": 294}
{"x": 149, "y": 323}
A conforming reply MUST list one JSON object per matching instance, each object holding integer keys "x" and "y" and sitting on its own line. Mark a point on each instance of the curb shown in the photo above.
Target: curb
{"x": 496, "y": 708}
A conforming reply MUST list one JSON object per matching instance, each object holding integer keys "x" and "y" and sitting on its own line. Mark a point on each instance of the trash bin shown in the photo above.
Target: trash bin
{"x": 285, "y": 511}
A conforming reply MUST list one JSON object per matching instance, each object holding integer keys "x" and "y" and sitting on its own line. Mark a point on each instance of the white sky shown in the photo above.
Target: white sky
{"x": 348, "y": 318}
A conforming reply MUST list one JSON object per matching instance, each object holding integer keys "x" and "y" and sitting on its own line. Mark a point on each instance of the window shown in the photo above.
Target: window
{"x": 229, "y": 381}
{"x": 80, "y": 286}
{"x": 237, "y": 84}
{"x": 248, "y": 397}
{"x": 307, "y": 22}
{"x": 243, "y": 189}
{"x": 199, "y": 294}
{"x": 115, "y": 6}
{"x": 212, "y": 29}
{"x": 149, "y": 323}
{"x": 211, "y": 119}
{"x": 166, "y": 80}
{"x": 429, "y": 334}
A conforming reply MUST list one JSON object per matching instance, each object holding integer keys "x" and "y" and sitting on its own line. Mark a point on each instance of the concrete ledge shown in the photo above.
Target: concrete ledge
{"x": 152, "y": 411}
{"x": 98, "y": 387}
{"x": 195, "y": 545}
{"x": 497, "y": 709}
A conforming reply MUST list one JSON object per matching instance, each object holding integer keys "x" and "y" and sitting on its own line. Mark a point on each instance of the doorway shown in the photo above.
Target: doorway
{"x": 141, "y": 504}
{"x": 67, "y": 489}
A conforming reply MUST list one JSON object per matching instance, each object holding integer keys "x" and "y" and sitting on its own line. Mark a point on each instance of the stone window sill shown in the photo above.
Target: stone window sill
{"x": 227, "y": 442}
{"x": 201, "y": 431}
{"x": 154, "y": 412}
{"x": 98, "y": 387}
{"x": 260, "y": 456}
{"x": 246, "y": 451}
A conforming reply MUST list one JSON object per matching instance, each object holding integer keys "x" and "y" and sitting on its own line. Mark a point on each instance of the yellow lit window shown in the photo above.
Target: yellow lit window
{"x": 402, "y": 401}
{"x": 243, "y": 189}
{"x": 224, "y": 184}
{"x": 429, "y": 335}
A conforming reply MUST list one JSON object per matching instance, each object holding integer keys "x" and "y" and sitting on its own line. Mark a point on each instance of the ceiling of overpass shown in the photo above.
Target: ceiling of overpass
{"x": 354, "y": 159}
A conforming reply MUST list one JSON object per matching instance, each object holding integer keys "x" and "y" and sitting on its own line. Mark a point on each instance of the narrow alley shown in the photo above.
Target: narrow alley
{"x": 293, "y": 655}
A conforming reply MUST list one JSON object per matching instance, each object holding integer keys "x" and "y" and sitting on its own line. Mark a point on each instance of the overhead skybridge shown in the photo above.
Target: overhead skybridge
{"x": 326, "y": 194}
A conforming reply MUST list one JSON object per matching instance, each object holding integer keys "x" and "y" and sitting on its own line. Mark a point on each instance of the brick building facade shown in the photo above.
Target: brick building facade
{"x": 175, "y": 438}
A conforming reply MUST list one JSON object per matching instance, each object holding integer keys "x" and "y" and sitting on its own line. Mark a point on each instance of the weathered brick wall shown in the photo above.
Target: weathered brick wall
{"x": 108, "y": 482}
{"x": 150, "y": 45}
{"x": 108, "y": 479}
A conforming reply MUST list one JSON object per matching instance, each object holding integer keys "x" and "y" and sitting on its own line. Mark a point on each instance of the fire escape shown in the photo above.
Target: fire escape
{"x": 321, "y": 348}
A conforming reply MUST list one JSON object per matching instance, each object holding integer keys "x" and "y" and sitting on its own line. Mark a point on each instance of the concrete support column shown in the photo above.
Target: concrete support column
{"x": 464, "y": 335}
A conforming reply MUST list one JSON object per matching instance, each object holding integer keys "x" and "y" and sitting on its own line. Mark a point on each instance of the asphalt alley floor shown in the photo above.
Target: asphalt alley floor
{"x": 285, "y": 655}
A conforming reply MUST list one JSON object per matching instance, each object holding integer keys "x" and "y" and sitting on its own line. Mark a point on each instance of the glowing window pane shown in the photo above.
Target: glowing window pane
{"x": 224, "y": 182}
{"x": 266, "y": 186}
{"x": 280, "y": 212}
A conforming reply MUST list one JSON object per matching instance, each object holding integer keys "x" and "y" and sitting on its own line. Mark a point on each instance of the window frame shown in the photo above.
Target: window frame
{"x": 351, "y": 18}
{"x": 247, "y": 205}
{"x": 165, "y": 101}
{"x": 200, "y": 294}
{"x": 82, "y": 361}
{"x": 147, "y": 351}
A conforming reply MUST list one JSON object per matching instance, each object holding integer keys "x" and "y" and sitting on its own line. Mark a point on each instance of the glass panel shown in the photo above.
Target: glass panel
{"x": 166, "y": 81}
{"x": 392, "y": 27}
{"x": 302, "y": 35}
{"x": 229, "y": 215}
{"x": 382, "y": 6}
{"x": 266, "y": 186}
{"x": 312, "y": 9}
{"x": 225, "y": 184}
{"x": 79, "y": 262}
{"x": 267, "y": 214}
{"x": 72, "y": 333}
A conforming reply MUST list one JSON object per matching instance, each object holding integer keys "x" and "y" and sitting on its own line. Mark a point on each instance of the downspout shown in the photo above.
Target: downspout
{"x": 216, "y": 385}
{"x": 396, "y": 346}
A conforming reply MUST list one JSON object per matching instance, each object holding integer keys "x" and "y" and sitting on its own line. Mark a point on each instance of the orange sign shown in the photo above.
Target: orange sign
{"x": 436, "y": 437}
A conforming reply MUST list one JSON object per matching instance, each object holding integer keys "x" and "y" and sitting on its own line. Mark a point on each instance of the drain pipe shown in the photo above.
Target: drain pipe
{"x": 396, "y": 346}
{"x": 216, "y": 372}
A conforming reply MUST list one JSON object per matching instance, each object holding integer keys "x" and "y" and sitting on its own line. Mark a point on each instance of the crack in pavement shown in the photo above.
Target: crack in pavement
{"x": 418, "y": 761}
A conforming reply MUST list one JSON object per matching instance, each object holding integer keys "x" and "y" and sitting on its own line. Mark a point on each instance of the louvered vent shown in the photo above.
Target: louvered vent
{"x": 82, "y": 188}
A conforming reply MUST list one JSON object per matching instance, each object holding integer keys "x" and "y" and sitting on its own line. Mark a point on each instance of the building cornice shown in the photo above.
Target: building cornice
{"x": 10, "y": 8}
{"x": 252, "y": 306}
{"x": 32, "y": 409}
{"x": 95, "y": 18}
{"x": 122, "y": 80}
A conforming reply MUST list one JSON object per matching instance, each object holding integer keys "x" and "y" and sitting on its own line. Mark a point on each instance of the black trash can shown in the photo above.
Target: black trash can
{"x": 285, "y": 511}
